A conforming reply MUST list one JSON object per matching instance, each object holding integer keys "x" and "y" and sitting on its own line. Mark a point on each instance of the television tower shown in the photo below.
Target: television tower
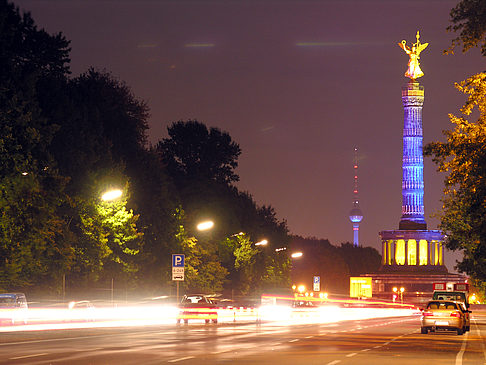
{"x": 355, "y": 215}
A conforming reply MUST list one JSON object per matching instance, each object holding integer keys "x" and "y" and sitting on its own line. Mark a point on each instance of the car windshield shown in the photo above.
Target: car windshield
{"x": 7, "y": 302}
{"x": 442, "y": 305}
{"x": 195, "y": 299}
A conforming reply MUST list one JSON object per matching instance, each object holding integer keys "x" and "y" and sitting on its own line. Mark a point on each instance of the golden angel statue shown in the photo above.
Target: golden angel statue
{"x": 413, "y": 71}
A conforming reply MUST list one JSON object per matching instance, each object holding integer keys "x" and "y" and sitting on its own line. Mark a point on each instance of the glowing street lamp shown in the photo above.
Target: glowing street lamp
{"x": 261, "y": 243}
{"x": 111, "y": 195}
{"x": 296, "y": 255}
{"x": 204, "y": 226}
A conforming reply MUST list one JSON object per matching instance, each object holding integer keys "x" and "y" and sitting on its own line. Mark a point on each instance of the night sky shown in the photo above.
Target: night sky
{"x": 298, "y": 84}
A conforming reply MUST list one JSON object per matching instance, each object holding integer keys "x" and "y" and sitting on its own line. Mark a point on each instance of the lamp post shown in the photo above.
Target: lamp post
{"x": 261, "y": 243}
{"x": 204, "y": 226}
{"x": 111, "y": 195}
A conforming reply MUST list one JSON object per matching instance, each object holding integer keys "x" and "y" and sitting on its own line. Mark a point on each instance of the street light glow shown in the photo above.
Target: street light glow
{"x": 296, "y": 255}
{"x": 111, "y": 195}
{"x": 204, "y": 226}
{"x": 261, "y": 243}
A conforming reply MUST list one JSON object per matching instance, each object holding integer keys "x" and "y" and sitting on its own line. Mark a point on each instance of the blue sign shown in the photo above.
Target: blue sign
{"x": 317, "y": 279}
{"x": 177, "y": 260}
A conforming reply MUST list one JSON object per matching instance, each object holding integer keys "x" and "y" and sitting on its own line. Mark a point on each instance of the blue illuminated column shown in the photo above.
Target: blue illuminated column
{"x": 413, "y": 163}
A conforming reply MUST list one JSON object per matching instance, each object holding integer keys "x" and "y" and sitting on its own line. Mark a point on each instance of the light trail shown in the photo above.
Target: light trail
{"x": 320, "y": 311}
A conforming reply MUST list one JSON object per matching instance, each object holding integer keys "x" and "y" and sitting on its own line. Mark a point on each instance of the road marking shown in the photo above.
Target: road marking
{"x": 181, "y": 359}
{"x": 309, "y": 337}
{"x": 352, "y": 354}
{"x": 377, "y": 346}
{"x": 27, "y": 356}
{"x": 334, "y": 362}
{"x": 461, "y": 351}
{"x": 295, "y": 340}
{"x": 364, "y": 350}
{"x": 481, "y": 337}
{"x": 386, "y": 343}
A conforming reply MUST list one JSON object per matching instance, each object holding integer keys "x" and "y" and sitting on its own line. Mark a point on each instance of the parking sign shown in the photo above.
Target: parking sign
{"x": 178, "y": 267}
{"x": 178, "y": 260}
{"x": 317, "y": 283}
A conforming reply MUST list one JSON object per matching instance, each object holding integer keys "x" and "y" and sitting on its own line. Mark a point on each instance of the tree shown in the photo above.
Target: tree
{"x": 192, "y": 152}
{"x": 469, "y": 17}
{"x": 463, "y": 157}
{"x": 32, "y": 248}
{"x": 203, "y": 270}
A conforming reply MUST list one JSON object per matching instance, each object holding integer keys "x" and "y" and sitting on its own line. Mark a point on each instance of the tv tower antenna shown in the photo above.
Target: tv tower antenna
{"x": 355, "y": 215}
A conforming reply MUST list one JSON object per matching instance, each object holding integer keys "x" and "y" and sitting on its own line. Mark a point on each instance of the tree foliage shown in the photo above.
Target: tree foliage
{"x": 469, "y": 18}
{"x": 463, "y": 158}
{"x": 194, "y": 152}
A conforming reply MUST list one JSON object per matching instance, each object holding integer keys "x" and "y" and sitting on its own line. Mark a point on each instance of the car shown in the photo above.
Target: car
{"x": 197, "y": 307}
{"x": 82, "y": 310}
{"x": 444, "y": 315}
{"x": 467, "y": 317}
{"x": 13, "y": 308}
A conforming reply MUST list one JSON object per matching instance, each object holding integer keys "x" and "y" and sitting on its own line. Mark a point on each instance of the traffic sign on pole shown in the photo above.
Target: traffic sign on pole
{"x": 317, "y": 283}
{"x": 178, "y": 267}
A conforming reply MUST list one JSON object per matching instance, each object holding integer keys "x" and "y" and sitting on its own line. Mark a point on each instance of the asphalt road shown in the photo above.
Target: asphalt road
{"x": 371, "y": 341}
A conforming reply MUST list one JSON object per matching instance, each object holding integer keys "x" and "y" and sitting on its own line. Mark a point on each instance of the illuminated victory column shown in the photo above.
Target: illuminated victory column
{"x": 355, "y": 215}
{"x": 412, "y": 246}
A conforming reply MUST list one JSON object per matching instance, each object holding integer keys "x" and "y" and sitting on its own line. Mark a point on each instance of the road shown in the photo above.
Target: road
{"x": 370, "y": 341}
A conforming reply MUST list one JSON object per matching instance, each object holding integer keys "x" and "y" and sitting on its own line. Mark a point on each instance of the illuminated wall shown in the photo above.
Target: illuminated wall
{"x": 423, "y": 252}
{"x": 412, "y": 252}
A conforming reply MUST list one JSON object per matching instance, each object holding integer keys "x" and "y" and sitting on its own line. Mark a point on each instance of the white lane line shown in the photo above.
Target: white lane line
{"x": 308, "y": 336}
{"x": 352, "y": 354}
{"x": 334, "y": 362}
{"x": 377, "y": 346}
{"x": 481, "y": 337}
{"x": 364, "y": 350}
{"x": 28, "y": 356}
{"x": 461, "y": 351}
{"x": 181, "y": 359}
{"x": 295, "y": 340}
{"x": 386, "y": 343}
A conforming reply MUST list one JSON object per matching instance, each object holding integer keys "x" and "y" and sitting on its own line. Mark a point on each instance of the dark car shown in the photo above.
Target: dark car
{"x": 197, "y": 307}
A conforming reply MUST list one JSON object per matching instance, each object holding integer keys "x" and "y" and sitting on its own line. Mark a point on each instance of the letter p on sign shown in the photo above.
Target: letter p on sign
{"x": 177, "y": 260}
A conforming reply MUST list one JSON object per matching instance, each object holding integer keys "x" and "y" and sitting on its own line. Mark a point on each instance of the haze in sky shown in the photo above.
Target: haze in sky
{"x": 298, "y": 84}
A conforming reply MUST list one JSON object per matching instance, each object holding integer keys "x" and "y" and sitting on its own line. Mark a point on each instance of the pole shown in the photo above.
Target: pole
{"x": 63, "y": 287}
{"x": 112, "y": 303}
{"x": 177, "y": 296}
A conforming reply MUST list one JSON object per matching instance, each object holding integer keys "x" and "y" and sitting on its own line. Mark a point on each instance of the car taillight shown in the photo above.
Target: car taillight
{"x": 427, "y": 314}
{"x": 456, "y": 314}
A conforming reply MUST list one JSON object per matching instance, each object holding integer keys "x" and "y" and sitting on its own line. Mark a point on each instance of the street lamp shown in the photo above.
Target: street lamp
{"x": 204, "y": 226}
{"x": 111, "y": 195}
{"x": 402, "y": 289}
{"x": 261, "y": 243}
{"x": 296, "y": 255}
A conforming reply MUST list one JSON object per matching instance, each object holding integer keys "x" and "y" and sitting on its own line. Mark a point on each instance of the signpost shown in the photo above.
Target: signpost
{"x": 317, "y": 283}
{"x": 178, "y": 270}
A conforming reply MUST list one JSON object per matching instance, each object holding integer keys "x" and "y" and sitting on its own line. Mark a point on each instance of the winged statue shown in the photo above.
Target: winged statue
{"x": 413, "y": 72}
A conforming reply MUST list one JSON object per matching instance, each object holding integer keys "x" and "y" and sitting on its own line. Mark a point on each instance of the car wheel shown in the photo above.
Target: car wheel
{"x": 424, "y": 330}
{"x": 207, "y": 321}
{"x": 460, "y": 331}
{"x": 186, "y": 321}
{"x": 215, "y": 321}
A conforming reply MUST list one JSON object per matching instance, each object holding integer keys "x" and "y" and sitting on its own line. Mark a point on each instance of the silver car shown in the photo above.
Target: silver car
{"x": 444, "y": 315}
